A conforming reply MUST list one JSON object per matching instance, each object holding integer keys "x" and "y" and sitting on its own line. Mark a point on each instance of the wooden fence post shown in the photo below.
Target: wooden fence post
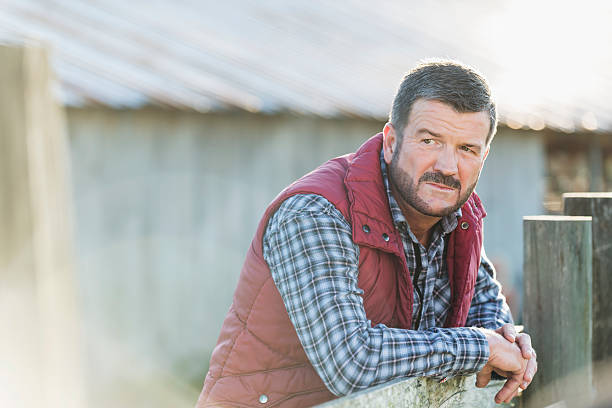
{"x": 39, "y": 350}
{"x": 557, "y": 308}
{"x": 599, "y": 207}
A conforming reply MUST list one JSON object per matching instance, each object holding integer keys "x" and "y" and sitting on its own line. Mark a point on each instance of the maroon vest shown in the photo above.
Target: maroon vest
{"x": 258, "y": 360}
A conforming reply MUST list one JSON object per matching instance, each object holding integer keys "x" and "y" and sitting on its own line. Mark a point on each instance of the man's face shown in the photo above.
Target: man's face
{"x": 437, "y": 166}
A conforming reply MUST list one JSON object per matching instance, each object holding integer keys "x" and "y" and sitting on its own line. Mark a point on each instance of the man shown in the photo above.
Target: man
{"x": 371, "y": 268}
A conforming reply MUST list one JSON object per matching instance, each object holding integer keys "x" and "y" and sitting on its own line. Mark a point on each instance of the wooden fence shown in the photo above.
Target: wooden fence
{"x": 567, "y": 308}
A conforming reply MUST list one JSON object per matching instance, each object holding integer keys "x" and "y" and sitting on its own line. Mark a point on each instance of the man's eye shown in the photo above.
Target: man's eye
{"x": 466, "y": 149}
{"x": 428, "y": 141}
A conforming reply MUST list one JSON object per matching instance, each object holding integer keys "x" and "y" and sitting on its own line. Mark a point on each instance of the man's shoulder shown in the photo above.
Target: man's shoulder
{"x": 329, "y": 189}
{"x": 307, "y": 215}
{"x": 305, "y": 205}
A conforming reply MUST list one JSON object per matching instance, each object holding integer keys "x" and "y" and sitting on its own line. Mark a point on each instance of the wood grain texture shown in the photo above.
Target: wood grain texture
{"x": 599, "y": 207}
{"x": 557, "y": 308}
{"x": 422, "y": 393}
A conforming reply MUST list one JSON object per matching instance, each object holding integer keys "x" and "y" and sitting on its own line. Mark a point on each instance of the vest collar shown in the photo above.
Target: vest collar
{"x": 369, "y": 207}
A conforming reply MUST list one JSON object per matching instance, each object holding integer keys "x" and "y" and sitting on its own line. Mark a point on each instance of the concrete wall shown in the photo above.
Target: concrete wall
{"x": 167, "y": 202}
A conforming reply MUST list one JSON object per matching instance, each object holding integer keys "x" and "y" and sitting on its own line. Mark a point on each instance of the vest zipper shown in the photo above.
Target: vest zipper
{"x": 415, "y": 279}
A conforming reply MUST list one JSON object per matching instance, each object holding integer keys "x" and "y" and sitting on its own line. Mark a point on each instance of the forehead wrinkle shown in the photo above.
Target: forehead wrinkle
{"x": 469, "y": 125}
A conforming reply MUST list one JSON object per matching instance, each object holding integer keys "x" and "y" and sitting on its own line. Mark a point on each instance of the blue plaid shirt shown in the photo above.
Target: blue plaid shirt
{"x": 314, "y": 263}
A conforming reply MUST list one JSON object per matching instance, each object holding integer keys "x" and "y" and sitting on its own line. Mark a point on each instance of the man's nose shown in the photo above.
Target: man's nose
{"x": 446, "y": 162}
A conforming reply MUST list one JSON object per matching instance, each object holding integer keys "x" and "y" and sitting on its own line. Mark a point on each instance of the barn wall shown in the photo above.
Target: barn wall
{"x": 511, "y": 185}
{"x": 166, "y": 204}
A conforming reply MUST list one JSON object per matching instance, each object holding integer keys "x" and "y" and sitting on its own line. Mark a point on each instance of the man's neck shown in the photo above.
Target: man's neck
{"x": 420, "y": 224}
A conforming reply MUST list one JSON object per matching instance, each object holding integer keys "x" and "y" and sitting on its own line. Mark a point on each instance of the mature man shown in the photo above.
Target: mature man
{"x": 371, "y": 267}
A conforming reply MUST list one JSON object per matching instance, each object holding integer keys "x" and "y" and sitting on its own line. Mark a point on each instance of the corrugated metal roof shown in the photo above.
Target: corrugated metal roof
{"x": 549, "y": 62}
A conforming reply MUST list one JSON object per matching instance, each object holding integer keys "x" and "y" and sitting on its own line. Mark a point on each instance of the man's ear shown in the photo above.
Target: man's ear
{"x": 389, "y": 142}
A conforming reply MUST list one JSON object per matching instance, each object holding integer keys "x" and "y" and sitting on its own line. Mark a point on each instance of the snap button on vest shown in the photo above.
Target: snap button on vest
{"x": 385, "y": 236}
{"x": 263, "y": 398}
{"x": 366, "y": 228}
{"x": 465, "y": 225}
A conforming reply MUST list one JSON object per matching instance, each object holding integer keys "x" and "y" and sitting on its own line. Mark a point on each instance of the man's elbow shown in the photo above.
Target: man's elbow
{"x": 340, "y": 388}
{"x": 346, "y": 379}
{"x": 351, "y": 366}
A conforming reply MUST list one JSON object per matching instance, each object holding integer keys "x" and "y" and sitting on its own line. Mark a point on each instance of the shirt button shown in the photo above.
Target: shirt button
{"x": 385, "y": 237}
{"x": 263, "y": 398}
{"x": 465, "y": 225}
{"x": 366, "y": 228}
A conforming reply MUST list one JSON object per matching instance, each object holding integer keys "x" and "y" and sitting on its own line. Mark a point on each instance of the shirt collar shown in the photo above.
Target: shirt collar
{"x": 447, "y": 223}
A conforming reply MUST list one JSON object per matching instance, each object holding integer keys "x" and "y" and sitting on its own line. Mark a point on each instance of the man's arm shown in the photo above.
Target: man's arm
{"x": 314, "y": 263}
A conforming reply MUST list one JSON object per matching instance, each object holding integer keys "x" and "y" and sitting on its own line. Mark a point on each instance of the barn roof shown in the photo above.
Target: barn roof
{"x": 548, "y": 62}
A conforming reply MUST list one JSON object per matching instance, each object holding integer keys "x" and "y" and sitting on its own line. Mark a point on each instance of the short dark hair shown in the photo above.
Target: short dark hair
{"x": 447, "y": 81}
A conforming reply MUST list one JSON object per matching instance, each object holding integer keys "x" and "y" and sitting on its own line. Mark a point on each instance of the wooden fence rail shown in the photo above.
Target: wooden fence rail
{"x": 422, "y": 393}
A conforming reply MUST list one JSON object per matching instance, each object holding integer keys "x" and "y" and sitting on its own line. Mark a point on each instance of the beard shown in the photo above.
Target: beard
{"x": 408, "y": 191}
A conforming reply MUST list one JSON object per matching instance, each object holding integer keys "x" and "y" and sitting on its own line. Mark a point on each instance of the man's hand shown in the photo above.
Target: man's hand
{"x": 508, "y": 359}
{"x": 523, "y": 340}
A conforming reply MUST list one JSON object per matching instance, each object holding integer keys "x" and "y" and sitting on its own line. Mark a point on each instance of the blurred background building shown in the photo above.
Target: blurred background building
{"x": 184, "y": 120}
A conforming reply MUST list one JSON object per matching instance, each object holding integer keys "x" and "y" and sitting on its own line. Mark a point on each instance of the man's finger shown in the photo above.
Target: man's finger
{"x": 508, "y": 331}
{"x": 483, "y": 377}
{"x": 530, "y": 371}
{"x": 524, "y": 342}
{"x": 508, "y": 390}
{"x": 512, "y": 396}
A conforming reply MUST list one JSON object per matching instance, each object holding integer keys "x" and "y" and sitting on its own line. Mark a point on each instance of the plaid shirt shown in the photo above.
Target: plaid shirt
{"x": 314, "y": 263}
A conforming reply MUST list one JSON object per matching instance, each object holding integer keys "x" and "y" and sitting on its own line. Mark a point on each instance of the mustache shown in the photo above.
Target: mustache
{"x": 437, "y": 177}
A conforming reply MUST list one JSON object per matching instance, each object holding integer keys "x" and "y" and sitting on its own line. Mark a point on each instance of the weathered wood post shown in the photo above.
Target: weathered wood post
{"x": 422, "y": 393}
{"x": 599, "y": 207}
{"x": 557, "y": 308}
{"x": 39, "y": 350}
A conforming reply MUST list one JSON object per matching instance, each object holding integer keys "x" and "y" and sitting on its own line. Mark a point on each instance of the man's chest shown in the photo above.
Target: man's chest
{"x": 431, "y": 288}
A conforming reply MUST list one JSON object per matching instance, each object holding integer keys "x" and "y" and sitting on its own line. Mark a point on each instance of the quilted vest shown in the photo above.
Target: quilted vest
{"x": 258, "y": 360}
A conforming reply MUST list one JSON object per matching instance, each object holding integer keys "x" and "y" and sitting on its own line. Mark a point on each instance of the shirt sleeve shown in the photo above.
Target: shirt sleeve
{"x": 314, "y": 264}
{"x": 489, "y": 308}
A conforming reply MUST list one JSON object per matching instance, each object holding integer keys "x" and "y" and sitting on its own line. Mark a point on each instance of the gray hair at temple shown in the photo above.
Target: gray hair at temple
{"x": 450, "y": 82}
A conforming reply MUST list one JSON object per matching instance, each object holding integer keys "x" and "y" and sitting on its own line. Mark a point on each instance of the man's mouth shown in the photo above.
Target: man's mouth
{"x": 442, "y": 187}
{"x": 441, "y": 181}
